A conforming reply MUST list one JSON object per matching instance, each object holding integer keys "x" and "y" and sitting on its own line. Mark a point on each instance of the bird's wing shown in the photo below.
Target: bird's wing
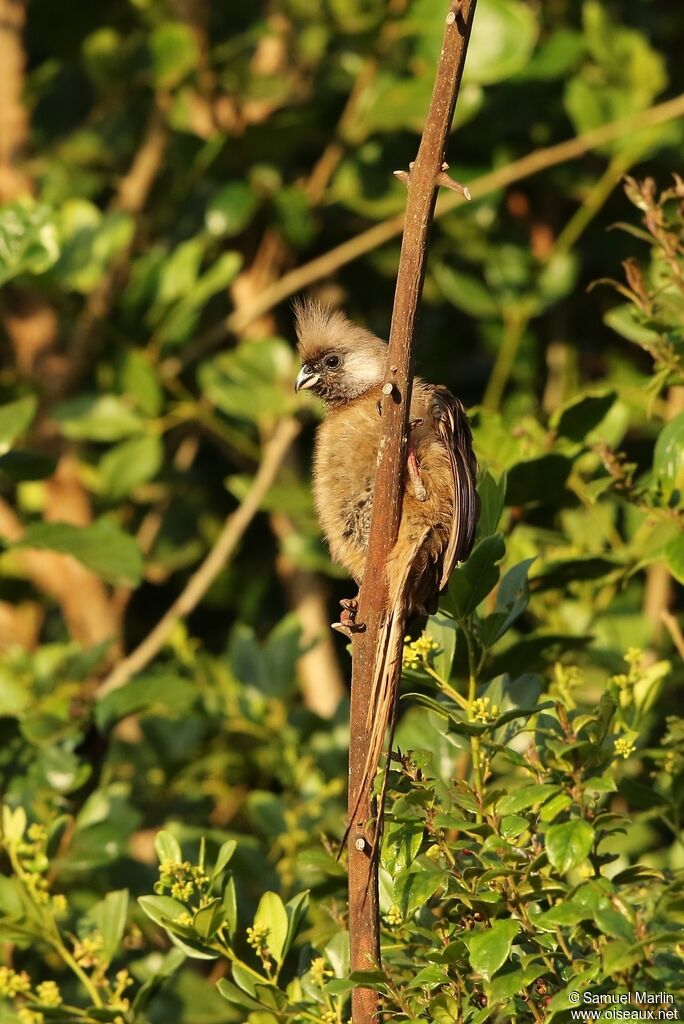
{"x": 454, "y": 432}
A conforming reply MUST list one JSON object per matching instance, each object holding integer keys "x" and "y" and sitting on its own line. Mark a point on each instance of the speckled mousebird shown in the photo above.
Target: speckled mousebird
{"x": 344, "y": 364}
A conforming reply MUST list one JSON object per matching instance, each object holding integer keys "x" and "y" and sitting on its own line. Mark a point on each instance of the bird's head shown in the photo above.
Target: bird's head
{"x": 340, "y": 360}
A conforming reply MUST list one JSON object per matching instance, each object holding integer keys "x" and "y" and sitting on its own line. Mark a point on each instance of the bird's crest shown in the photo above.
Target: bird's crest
{"x": 321, "y": 328}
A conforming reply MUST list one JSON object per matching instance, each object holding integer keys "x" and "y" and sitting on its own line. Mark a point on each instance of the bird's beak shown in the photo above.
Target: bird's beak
{"x": 306, "y": 379}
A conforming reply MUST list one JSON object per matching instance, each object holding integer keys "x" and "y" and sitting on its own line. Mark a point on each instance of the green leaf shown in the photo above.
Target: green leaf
{"x": 401, "y": 844}
{"x": 537, "y": 480}
{"x": 511, "y": 601}
{"x": 528, "y": 796}
{"x": 208, "y": 919}
{"x": 337, "y": 953}
{"x": 101, "y": 547}
{"x": 130, "y": 464}
{"x": 97, "y": 418}
{"x": 252, "y": 381}
{"x": 224, "y": 857}
{"x": 179, "y": 321}
{"x": 162, "y": 909}
{"x": 157, "y": 692}
{"x": 167, "y": 847}
{"x": 294, "y": 215}
{"x": 103, "y": 57}
{"x": 626, "y": 321}
{"x": 567, "y": 845}
{"x": 502, "y": 42}
{"x": 668, "y": 456}
{"x": 625, "y": 77}
{"x": 15, "y": 417}
{"x": 674, "y": 553}
{"x": 415, "y": 885}
{"x": 230, "y": 905}
{"x": 466, "y": 292}
{"x": 28, "y": 240}
{"x": 91, "y": 241}
{"x": 442, "y": 629}
{"x": 231, "y": 209}
{"x": 13, "y": 823}
{"x": 174, "y": 51}
{"x": 470, "y": 583}
{"x": 555, "y": 806}
{"x": 492, "y": 498}
{"x": 109, "y": 918}
{"x": 577, "y": 418}
{"x": 296, "y": 910}
{"x": 271, "y": 914}
{"x": 138, "y": 381}
{"x": 488, "y": 950}
{"x": 236, "y": 996}
{"x": 506, "y": 986}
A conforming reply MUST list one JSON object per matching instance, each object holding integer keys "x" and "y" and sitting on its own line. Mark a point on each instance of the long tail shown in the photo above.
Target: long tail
{"x": 385, "y": 690}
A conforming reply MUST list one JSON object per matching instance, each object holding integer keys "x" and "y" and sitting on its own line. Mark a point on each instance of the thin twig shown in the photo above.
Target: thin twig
{"x": 233, "y": 530}
{"x": 364, "y": 930}
{"x": 301, "y": 277}
{"x": 674, "y": 629}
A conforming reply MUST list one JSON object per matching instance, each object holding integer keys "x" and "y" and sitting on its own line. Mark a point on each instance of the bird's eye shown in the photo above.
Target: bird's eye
{"x": 332, "y": 361}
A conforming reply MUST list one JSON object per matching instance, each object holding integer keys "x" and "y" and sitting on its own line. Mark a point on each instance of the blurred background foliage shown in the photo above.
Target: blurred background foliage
{"x": 171, "y": 172}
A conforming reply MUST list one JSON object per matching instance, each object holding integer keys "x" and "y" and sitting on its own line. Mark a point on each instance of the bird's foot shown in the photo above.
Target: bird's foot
{"x": 348, "y": 624}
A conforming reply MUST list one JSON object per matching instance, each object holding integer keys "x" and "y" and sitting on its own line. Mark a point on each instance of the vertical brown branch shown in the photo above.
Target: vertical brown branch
{"x": 422, "y": 186}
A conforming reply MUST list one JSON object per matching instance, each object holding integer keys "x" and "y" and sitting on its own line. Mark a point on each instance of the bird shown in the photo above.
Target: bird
{"x": 344, "y": 364}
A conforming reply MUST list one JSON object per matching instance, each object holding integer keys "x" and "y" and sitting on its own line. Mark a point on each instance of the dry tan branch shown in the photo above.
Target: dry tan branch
{"x": 323, "y": 266}
{"x": 90, "y": 614}
{"x": 233, "y": 530}
{"x": 422, "y": 184}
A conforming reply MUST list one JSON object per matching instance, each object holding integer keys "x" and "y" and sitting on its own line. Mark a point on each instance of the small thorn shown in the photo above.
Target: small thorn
{"x": 412, "y": 165}
{"x": 445, "y": 166}
{"x": 455, "y": 186}
{"x": 402, "y": 176}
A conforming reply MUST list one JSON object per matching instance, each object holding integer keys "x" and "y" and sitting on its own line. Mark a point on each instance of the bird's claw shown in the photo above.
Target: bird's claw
{"x": 348, "y": 624}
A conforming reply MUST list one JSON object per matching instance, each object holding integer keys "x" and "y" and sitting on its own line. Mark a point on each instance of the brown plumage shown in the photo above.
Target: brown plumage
{"x": 345, "y": 365}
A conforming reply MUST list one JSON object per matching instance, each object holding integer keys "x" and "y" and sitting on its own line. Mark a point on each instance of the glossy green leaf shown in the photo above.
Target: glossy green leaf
{"x": 130, "y": 464}
{"x": 109, "y": 918}
{"x": 101, "y": 547}
{"x": 580, "y": 416}
{"x": 155, "y": 693}
{"x": 272, "y": 915}
{"x": 29, "y": 241}
{"x": 470, "y": 583}
{"x": 167, "y": 847}
{"x": 567, "y": 845}
{"x": 489, "y": 949}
